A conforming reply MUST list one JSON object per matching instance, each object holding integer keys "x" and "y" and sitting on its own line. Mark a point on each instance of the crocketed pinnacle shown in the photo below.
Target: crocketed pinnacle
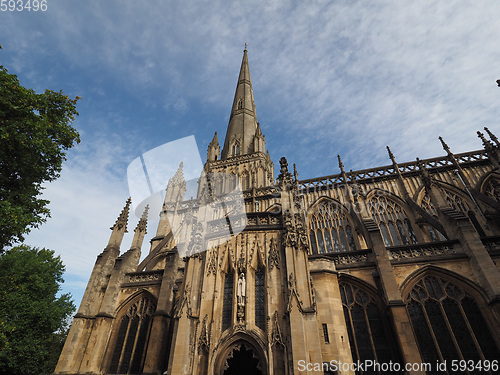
{"x": 492, "y": 136}
{"x": 391, "y": 155}
{"x": 143, "y": 222}
{"x": 178, "y": 178}
{"x": 122, "y": 220}
{"x": 445, "y": 146}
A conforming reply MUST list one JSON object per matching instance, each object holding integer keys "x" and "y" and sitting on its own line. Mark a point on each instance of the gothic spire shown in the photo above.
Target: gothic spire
{"x": 242, "y": 125}
{"x": 140, "y": 229}
{"x": 123, "y": 217}
{"x": 120, "y": 226}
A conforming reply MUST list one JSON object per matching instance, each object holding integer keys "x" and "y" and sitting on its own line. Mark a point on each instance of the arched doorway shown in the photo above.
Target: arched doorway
{"x": 242, "y": 360}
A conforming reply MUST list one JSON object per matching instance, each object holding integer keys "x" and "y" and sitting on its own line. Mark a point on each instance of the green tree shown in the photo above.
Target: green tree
{"x": 35, "y": 133}
{"x": 33, "y": 319}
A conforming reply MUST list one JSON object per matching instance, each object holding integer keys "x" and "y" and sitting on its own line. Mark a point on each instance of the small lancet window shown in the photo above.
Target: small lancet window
{"x": 240, "y": 104}
{"x": 227, "y": 303}
{"x": 236, "y": 149}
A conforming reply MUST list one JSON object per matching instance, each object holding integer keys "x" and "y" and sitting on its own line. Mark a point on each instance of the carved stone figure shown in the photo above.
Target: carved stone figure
{"x": 240, "y": 291}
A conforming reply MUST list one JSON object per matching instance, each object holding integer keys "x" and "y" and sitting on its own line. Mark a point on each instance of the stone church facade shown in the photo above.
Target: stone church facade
{"x": 398, "y": 264}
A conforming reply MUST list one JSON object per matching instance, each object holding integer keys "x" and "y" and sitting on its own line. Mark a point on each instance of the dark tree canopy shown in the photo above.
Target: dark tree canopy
{"x": 35, "y": 133}
{"x": 33, "y": 319}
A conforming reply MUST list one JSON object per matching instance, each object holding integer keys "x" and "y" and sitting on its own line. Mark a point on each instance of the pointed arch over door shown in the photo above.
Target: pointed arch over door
{"x": 131, "y": 335}
{"x": 448, "y": 320}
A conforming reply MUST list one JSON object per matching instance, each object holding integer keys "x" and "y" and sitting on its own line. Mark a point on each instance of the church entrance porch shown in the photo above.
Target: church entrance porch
{"x": 242, "y": 359}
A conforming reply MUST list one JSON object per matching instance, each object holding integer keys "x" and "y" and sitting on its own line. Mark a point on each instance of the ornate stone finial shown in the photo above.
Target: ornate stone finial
{"x": 341, "y": 165}
{"x": 391, "y": 155}
{"x": 143, "y": 222}
{"x": 445, "y": 146}
{"x": 283, "y": 165}
{"x": 295, "y": 174}
{"x": 285, "y": 177}
{"x": 487, "y": 144}
{"x": 492, "y": 136}
{"x": 122, "y": 220}
{"x": 178, "y": 178}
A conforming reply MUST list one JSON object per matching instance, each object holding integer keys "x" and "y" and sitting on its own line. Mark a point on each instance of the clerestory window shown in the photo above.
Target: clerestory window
{"x": 395, "y": 227}
{"x": 330, "y": 230}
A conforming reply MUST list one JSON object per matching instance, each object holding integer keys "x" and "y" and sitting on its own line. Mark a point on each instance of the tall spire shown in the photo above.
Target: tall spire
{"x": 120, "y": 227}
{"x": 242, "y": 126}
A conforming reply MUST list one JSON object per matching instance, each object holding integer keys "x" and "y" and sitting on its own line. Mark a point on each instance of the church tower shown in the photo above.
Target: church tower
{"x": 397, "y": 265}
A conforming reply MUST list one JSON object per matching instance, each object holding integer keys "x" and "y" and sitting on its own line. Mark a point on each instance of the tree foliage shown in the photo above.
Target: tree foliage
{"x": 35, "y": 133}
{"x": 33, "y": 319}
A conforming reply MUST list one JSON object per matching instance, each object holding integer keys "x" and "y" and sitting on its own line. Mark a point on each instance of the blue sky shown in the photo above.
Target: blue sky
{"x": 329, "y": 77}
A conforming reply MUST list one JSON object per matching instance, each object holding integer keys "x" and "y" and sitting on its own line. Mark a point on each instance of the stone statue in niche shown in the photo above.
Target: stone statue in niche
{"x": 240, "y": 291}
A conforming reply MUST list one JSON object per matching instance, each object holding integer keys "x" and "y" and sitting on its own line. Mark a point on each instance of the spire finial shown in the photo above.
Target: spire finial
{"x": 246, "y": 45}
{"x": 143, "y": 222}
{"x": 492, "y": 136}
{"x": 123, "y": 218}
{"x": 481, "y": 136}
{"x": 341, "y": 165}
{"x": 445, "y": 146}
{"x": 391, "y": 155}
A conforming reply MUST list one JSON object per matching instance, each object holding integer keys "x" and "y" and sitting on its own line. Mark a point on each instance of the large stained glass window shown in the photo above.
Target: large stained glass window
{"x": 369, "y": 334}
{"x": 329, "y": 230}
{"x": 448, "y": 323}
{"x": 395, "y": 227}
{"x": 131, "y": 340}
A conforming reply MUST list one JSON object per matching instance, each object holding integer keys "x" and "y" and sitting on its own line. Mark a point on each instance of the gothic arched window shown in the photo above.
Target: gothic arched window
{"x": 395, "y": 227}
{"x": 369, "y": 335}
{"x": 455, "y": 202}
{"x": 492, "y": 189}
{"x": 433, "y": 233}
{"x": 236, "y": 149}
{"x": 227, "y": 303}
{"x": 260, "y": 315}
{"x": 330, "y": 230}
{"x": 132, "y": 337}
{"x": 448, "y": 323}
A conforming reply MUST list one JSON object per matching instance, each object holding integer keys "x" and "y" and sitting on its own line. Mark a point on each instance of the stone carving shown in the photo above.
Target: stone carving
{"x": 212, "y": 267}
{"x": 416, "y": 252}
{"x": 276, "y": 337}
{"x": 347, "y": 258}
{"x": 145, "y": 277}
{"x": 186, "y": 300}
{"x": 240, "y": 292}
{"x": 204, "y": 339}
{"x": 274, "y": 255}
{"x": 241, "y": 295}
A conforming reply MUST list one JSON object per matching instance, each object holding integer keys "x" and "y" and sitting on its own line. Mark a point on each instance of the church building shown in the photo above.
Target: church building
{"x": 387, "y": 270}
